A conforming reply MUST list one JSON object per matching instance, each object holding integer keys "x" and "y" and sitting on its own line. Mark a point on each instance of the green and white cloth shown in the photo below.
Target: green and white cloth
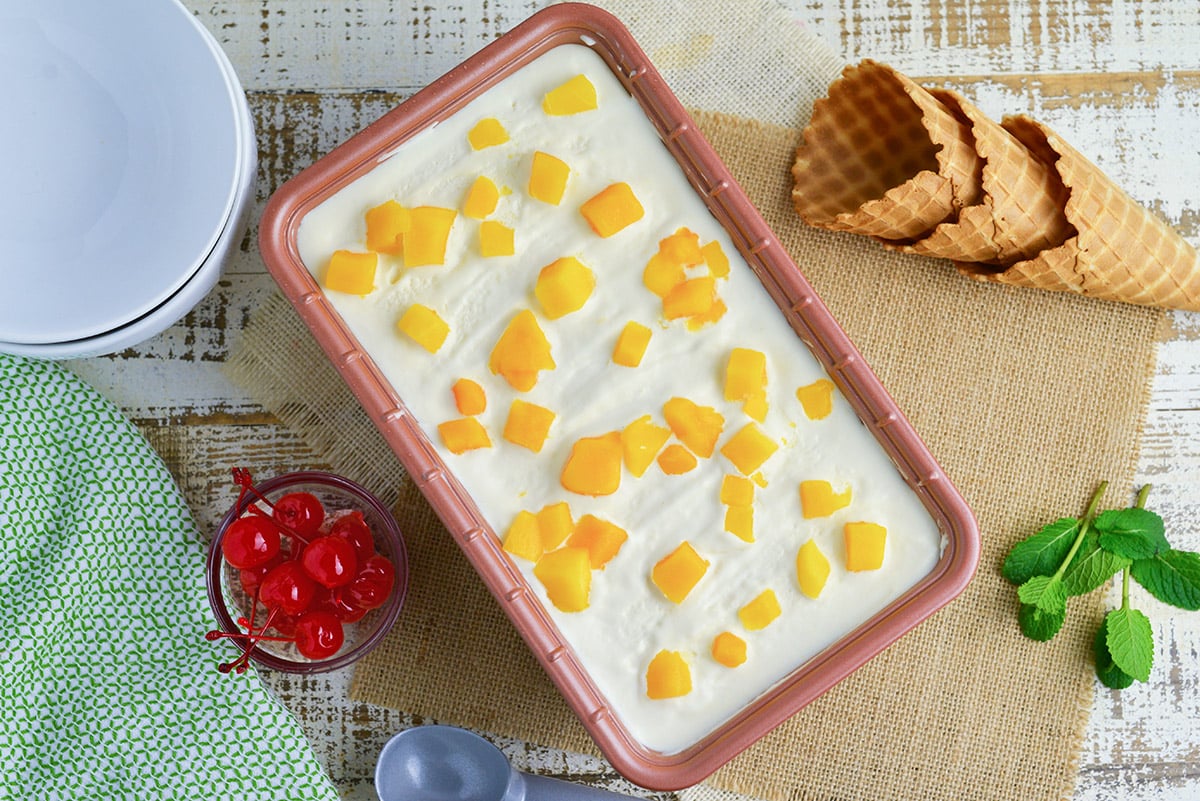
{"x": 108, "y": 689}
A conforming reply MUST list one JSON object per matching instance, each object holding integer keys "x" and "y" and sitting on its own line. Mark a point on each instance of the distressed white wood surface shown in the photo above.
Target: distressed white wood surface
{"x": 1119, "y": 78}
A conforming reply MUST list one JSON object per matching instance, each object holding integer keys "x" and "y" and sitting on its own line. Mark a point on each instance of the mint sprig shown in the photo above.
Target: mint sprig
{"x": 1072, "y": 557}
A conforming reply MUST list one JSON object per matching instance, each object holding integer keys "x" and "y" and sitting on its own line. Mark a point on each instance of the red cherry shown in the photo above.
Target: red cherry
{"x": 330, "y": 561}
{"x": 251, "y": 577}
{"x": 299, "y": 511}
{"x": 250, "y": 541}
{"x": 373, "y": 584}
{"x": 287, "y": 588}
{"x": 284, "y": 624}
{"x": 351, "y": 526}
{"x": 319, "y": 635}
{"x": 336, "y": 600}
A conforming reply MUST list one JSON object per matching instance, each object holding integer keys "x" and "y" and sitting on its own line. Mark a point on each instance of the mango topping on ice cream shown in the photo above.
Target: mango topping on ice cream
{"x": 524, "y": 538}
{"x": 548, "y": 178}
{"x": 746, "y": 381}
{"x": 675, "y": 460}
{"x": 816, "y": 398}
{"x": 812, "y": 569}
{"x": 818, "y": 499}
{"x": 739, "y": 521}
{"x": 749, "y": 448}
{"x": 729, "y": 649}
{"x": 469, "y": 397}
{"x": 631, "y": 345}
{"x": 528, "y": 425}
{"x": 488, "y": 132}
{"x": 464, "y": 434}
{"x": 563, "y": 286}
{"x": 697, "y": 427}
{"x": 521, "y": 352}
{"x": 576, "y": 95}
{"x": 424, "y": 326}
{"x": 387, "y": 224}
{"x": 612, "y": 210}
{"x": 555, "y": 524}
{"x": 641, "y": 442}
{"x": 761, "y": 612}
{"x": 737, "y": 491}
{"x": 668, "y": 676}
{"x": 864, "y": 545}
{"x": 567, "y": 576}
{"x": 601, "y": 538}
{"x": 677, "y": 573}
{"x": 425, "y": 240}
{"x": 352, "y": 273}
{"x": 481, "y": 198}
{"x": 594, "y": 466}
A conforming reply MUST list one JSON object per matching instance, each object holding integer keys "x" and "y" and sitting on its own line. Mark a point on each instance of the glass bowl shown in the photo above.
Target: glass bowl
{"x": 230, "y": 601}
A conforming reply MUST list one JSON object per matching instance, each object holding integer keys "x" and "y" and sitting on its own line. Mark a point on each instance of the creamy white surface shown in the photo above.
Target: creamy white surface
{"x": 628, "y": 620}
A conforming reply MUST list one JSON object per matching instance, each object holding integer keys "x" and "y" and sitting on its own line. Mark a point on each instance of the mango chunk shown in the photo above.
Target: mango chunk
{"x": 352, "y": 273}
{"x": 668, "y": 676}
{"x": 576, "y": 95}
{"x": 694, "y": 296}
{"x": 729, "y": 649}
{"x": 563, "y": 286}
{"x": 739, "y": 521}
{"x": 555, "y": 524}
{"x": 865, "y": 544}
{"x": 755, "y": 406}
{"x": 737, "y": 491}
{"x": 817, "y": 499}
{"x": 715, "y": 258}
{"x": 613, "y": 209}
{"x": 495, "y": 239}
{"x": 521, "y": 352}
{"x": 567, "y": 576}
{"x": 594, "y": 466}
{"x": 631, "y": 345}
{"x": 386, "y": 225}
{"x": 469, "y": 397}
{"x": 714, "y": 313}
{"x": 523, "y": 538}
{"x": 697, "y": 427}
{"x": 424, "y": 326}
{"x": 678, "y": 572}
{"x": 749, "y": 448}
{"x": 640, "y": 442}
{"x": 548, "y": 178}
{"x": 425, "y": 242}
{"x": 481, "y": 198}
{"x": 464, "y": 434}
{"x": 487, "y": 132}
{"x": 682, "y": 248}
{"x": 662, "y": 275}
{"x": 528, "y": 425}
{"x": 745, "y": 374}
{"x": 676, "y": 460}
{"x": 761, "y": 612}
{"x": 602, "y": 539}
{"x": 816, "y": 398}
{"x": 812, "y": 569}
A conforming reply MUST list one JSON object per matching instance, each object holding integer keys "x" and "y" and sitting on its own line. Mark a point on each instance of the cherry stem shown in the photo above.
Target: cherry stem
{"x": 248, "y": 639}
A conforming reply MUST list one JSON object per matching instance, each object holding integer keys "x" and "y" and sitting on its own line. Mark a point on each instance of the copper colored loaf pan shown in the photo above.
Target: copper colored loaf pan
{"x": 805, "y": 312}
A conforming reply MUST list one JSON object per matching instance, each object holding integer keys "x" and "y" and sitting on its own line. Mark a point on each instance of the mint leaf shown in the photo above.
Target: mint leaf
{"x": 1044, "y": 592}
{"x": 1039, "y": 625}
{"x": 1130, "y": 640}
{"x": 1172, "y": 577}
{"x": 1106, "y": 670}
{"x": 1042, "y": 553}
{"x": 1133, "y": 533}
{"x": 1091, "y": 566}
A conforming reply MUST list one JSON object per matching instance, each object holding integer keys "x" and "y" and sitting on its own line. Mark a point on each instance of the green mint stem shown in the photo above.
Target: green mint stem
{"x": 1088, "y": 515}
{"x": 1140, "y": 503}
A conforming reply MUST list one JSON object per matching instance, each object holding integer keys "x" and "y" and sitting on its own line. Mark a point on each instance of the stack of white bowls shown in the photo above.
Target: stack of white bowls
{"x": 128, "y": 166}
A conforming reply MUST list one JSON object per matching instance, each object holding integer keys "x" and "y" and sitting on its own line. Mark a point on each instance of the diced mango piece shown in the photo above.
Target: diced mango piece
{"x": 755, "y": 407}
{"x": 668, "y": 676}
{"x": 469, "y": 397}
{"x": 759, "y": 479}
{"x": 697, "y": 427}
{"x": 817, "y": 499}
{"x": 352, "y": 273}
{"x": 816, "y": 398}
{"x": 631, "y": 345}
{"x": 749, "y": 448}
{"x": 737, "y": 491}
{"x": 745, "y": 374}
{"x": 523, "y": 538}
{"x": 601, "y": 538}
{"x": 662, "y": 275}
{"x": 716, "y": 312}
{"x": 563, "y": 286}
{"x": 641, "y": 441}
{"x": 676, "y": 460}
{"x": 682, "y": 248}
{"x": 464, "y": 434}
{"x": 612, "y": 209}
{"x": 495, "y": 239}
{"x": 425, "y": 242}
{"x": 729, "y": 649}
{"x": 424, "y": 326}
{"x": 739, "y": 521}
{"x": 812, "y": 569}
{"x": 528, "y": 425}
{"x": 548, "y": 178}
{"x": 556, "y": 524}
{"x": 694, "y": 296}
{"x": 481, "y": 198}
{"x": 576, "y": 95}
{"x": 864, "y": 545}
{"x": 567, "y": 576}
{"x": 487, "y": 133}
{"x": 594, "y": 466}
{"x": 521, "y": 352}
{"x": 678, "y": 572}
{"x": 386, "y": 225}
{"x": 715, "y": 258}
{"x": 759, "y": 613}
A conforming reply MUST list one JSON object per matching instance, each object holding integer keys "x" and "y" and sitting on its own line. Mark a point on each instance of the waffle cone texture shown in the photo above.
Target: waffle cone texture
{"x": 925, "y": 171}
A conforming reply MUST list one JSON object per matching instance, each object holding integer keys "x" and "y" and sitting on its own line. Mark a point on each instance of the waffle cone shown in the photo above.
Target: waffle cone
{"x": 1121, "y": 251}
{"x": 883, "y": 157}
{"x": 1021, "y": 212}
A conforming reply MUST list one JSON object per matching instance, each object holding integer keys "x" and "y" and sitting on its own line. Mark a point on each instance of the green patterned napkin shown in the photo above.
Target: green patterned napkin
{"x": 108, "y": 689}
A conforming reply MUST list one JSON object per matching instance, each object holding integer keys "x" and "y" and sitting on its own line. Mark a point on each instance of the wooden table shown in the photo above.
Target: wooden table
{"x": 1119, "y": 78}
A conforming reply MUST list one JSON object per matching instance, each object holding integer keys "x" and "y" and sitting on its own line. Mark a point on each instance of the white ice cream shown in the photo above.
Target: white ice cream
{"x": 628, "y": 620}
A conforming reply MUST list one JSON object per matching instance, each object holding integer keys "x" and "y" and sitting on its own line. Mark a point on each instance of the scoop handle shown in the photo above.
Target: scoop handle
{"x": 542, "y": 788}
